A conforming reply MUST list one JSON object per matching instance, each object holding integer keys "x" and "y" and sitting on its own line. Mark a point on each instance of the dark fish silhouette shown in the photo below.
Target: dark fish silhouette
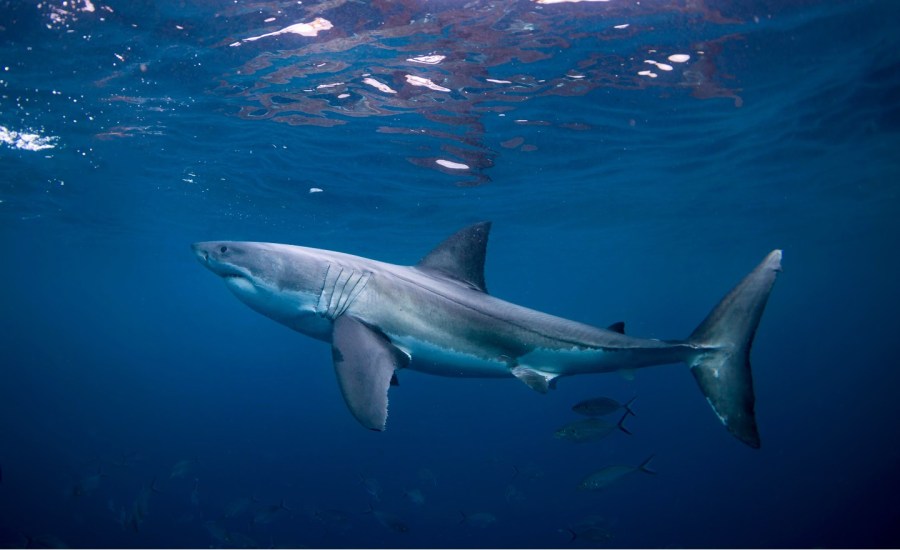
{"x": 602, "y": 406}
{"x": 590, "y": 429}
{"x": 390, "y": 521}
{"x": 606, "y": 476}
{"x": 478, "y": 519}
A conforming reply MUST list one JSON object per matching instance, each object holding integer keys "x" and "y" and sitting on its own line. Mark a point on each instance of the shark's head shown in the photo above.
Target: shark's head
{"x": 280, "y": 281}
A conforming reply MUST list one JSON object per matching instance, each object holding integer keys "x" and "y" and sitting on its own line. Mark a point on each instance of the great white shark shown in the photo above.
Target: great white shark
{"x": 437, "y": 317}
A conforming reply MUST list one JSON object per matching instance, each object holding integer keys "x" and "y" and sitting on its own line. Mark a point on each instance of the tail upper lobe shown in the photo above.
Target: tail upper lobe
{"x": 722, "y": 366}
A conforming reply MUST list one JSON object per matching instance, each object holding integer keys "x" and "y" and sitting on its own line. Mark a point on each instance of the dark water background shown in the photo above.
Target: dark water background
{"x": 142, "y": 405}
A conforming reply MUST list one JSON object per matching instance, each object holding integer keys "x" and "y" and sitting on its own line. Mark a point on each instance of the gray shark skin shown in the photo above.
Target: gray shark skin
{"x": 437, "y": 317}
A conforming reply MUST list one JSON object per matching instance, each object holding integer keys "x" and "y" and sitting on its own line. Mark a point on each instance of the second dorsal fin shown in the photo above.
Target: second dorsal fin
{"x": 461, "y": 256}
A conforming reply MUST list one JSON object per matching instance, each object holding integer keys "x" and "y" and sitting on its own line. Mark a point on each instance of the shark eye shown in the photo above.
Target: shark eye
{"x": 223, "y": 250}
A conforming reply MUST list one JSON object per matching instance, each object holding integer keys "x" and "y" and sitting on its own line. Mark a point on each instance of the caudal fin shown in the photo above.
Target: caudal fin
{"x": 722, "y": 364}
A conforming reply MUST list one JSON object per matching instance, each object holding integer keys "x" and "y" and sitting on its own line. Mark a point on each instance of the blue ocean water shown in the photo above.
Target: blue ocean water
{"x": 636, "y": 159}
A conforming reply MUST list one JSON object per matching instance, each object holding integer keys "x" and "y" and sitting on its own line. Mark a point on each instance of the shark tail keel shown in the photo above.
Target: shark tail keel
{"x": 721, "y": 365}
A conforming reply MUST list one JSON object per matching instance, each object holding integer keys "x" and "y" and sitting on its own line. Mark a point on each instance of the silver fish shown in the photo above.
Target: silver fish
{"x": 337, "y": 520}
{"x": 195, "y": 493}
{"x": 372, "y": 487}
{"x": 237, "y": 507}
{"x": 181, "y": 468}
{"x": 478, "y": 519}
{"x": 390, "y": 521}
{"x": 226, "y": 538}
{"x": 415, "y": 496}
{"x": 427, "y": 476}
{"x": 43, "y": 541}
{"x": 594, "y": 529}
{"x": 514, "y": 494}
{"x": 87, "y": 484}
{"x": 268, "y": 514}
{"x": 604, "y": 477}
{"x": 590, "y": 429}
{"x": 590, "y": 534}
{"x": 602, "y": 406}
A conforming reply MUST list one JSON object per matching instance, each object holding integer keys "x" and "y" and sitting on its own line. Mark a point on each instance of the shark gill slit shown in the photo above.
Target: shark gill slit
{"x": 332, "y": 305}
{"x": 344, "y": 299}
{"x": 319, "y": 306}
{"x": 357, "y": 289}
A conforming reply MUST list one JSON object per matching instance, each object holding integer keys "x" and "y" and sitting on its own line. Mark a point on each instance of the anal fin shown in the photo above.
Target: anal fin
{"x": 364, "y": 361}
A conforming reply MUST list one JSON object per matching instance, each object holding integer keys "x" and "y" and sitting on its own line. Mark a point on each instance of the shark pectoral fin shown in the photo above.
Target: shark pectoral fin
{"x": 536, "y": 380}
{"x": 364, "y": 361}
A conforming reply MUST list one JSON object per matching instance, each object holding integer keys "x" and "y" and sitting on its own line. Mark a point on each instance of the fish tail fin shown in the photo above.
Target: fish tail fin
{"x": 722, "y": 342}
{"x": 645, "y": 466}
{"x": 515, "y": 472}
{"x": 464, "y": 517}
{"x": 282, "y": 506}
{"x": 621, "y": 423}
{"x": 627, "y": 406}
{"x": 153, "y": 487}
{"x": 572, "y": 534}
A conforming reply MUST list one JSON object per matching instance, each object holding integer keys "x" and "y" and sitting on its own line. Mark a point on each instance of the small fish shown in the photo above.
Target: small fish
{"x": 87, "y": 484}
{"x": 593, "y": 529}
{"x": 372, "y": 487}
{"x": 514, "y": 494}
{"x": 240, "y": 540}
{"x": 390, "y": 521}
{"x": 415, "y": 496}
{"x": 427, "y": 476}
{"x": 141, "y": 507}
{"x": 478, "y": 519}
{"x": 602, "y": 406}
{"x": 590, "y": 429}
{"x": 43, "y": 541}
{"x": 119, "y": 513}
{"x": 195, "y": 493}
{"x": 127, "y": 459}
{"x": 529, "y": 471}
{"x": 590, "y": 534}
{"x": 270, "y": 513}
{"x": 333, "y": 519}
{"x": 627, "y": 374}
{"x": 604, "y": 477}
{"x": 217, "y": 532}
{"x": 227, "y": 538}
{"x": 181, "y": 468}
{"x": 237, "y": 507}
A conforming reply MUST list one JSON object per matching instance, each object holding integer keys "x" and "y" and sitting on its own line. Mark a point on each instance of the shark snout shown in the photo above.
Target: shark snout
{"x": 201, "y": 253}
{"x": 215, "y": 256}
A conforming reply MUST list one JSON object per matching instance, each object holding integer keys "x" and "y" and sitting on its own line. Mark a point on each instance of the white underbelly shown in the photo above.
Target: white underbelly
{"x": 437, "y": 360}
{"x": 568, "y": 361}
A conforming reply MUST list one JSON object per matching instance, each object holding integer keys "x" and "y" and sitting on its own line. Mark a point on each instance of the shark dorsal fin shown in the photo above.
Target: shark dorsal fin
{"x": 461, "y": 256}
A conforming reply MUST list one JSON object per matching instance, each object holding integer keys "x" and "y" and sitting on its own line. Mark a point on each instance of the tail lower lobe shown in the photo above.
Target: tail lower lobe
{"x": 721, "y": 365}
